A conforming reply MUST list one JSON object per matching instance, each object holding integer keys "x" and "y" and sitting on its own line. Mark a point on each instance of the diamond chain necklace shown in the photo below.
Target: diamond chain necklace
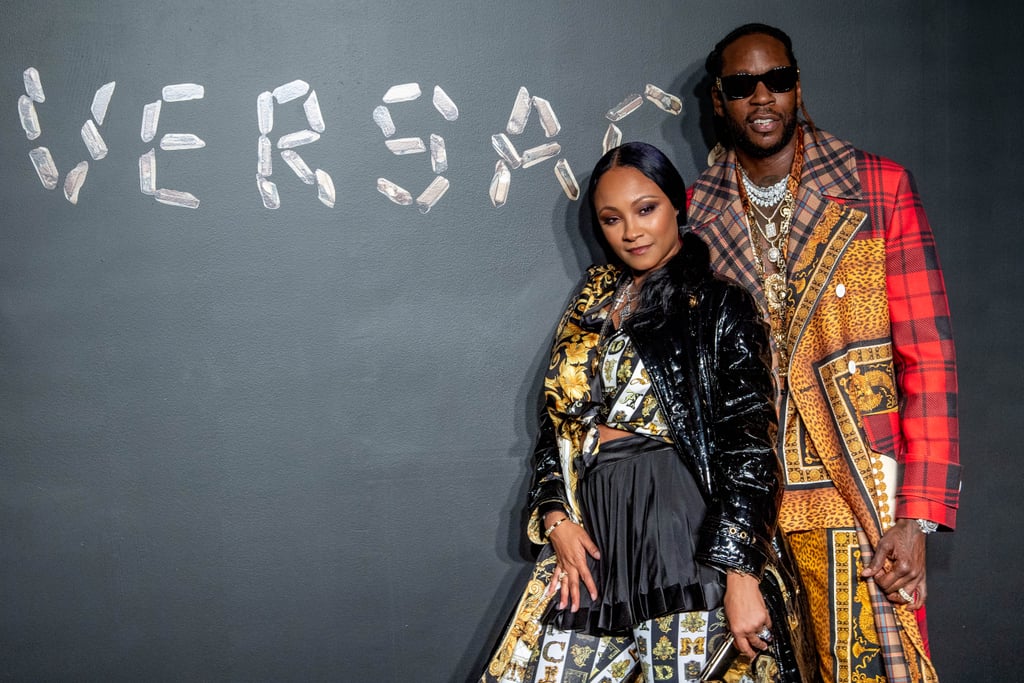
{"x": 764, "y": 196}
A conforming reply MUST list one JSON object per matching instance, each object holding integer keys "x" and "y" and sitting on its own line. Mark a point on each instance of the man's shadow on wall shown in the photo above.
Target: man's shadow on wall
{"x": 700, "y": 129}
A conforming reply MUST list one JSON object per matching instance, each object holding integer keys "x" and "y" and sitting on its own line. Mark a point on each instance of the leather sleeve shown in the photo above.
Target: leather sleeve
{"x": 745, "y": 472}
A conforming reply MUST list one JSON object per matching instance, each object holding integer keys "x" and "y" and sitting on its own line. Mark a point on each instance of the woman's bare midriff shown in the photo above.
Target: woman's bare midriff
{"x": 607, "y": 433}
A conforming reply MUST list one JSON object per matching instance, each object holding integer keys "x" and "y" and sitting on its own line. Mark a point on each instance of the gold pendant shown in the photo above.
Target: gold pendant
{"x": 775, "y": 291}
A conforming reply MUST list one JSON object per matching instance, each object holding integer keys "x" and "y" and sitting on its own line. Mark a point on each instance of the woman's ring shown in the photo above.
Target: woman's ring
{"x": 764, "y": 634}
{"x": 907, "y": 597}
{"x": 561, "y": 578}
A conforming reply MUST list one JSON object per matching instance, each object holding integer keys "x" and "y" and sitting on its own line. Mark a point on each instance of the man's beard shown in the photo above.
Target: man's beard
{"x": 742, "y": 140}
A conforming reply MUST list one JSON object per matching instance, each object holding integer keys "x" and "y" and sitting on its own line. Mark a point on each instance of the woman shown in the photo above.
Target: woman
{"x": 656, "y": 485}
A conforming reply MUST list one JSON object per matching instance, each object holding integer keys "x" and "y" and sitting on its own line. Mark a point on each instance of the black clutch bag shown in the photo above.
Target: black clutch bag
{"x": 728, "y": 665}
{"x": 720, "y": 661}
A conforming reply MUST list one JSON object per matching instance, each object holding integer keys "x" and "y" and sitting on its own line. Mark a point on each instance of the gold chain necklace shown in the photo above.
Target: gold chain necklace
{"x": 773, "y": 234}
{"x": 776, "y": 236}
{"x": 775, "y": 285}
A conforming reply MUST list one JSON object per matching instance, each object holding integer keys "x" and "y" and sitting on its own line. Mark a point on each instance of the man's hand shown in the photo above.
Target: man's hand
{"x": 898, "y": 567}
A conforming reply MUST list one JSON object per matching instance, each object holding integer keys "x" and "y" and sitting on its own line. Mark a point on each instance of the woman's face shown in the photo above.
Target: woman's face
{"x": 637, "y": 218}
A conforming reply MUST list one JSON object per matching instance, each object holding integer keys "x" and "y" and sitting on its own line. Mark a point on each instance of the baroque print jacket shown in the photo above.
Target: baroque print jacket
{"x": 708, "y": 361}
{"x": 868, "y": 402}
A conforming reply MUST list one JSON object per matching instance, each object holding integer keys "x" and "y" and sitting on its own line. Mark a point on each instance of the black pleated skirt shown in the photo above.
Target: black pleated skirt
{"x": 643, "y": 509}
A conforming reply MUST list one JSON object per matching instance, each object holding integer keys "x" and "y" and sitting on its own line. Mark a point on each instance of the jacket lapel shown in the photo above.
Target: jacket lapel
{"x": 716, "y": 211}
{"x": 716, "y": 214}
{"x": 830, "y": 172}
{"x": 822, "y": 231}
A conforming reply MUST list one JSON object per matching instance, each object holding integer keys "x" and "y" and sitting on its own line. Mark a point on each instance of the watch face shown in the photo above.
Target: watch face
{"x": 927, "y": 526}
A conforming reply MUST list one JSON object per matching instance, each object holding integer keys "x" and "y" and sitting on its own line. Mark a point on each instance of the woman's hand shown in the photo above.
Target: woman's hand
{"x": 746, "y": 613}
{"x": 572, "y": 545}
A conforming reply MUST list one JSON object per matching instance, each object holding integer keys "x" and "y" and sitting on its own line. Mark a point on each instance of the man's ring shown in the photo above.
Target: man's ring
{"x": 764, "y": 634}
{"x": 907, "y": 597}
{"x": 561, "y": 578}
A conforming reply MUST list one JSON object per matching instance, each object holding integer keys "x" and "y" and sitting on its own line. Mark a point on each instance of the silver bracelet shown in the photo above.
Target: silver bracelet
{"x": 927, "y": 526}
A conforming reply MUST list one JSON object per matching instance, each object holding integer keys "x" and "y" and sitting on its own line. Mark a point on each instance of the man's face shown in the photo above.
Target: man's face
{"x": 762, "y": 124}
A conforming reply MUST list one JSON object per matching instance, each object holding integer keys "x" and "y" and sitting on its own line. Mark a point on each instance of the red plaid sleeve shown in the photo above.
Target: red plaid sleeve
{"x": 922, "y": 340}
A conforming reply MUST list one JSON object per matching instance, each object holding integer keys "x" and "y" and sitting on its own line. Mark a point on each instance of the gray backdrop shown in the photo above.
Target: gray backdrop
{"x": 248, "y": 444}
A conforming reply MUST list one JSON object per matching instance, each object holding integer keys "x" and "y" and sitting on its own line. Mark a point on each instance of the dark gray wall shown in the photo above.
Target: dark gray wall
{"x": 243, "y": 444}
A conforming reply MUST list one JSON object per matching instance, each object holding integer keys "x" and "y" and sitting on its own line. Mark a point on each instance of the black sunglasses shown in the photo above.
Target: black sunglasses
{"x": 740, "y": 86}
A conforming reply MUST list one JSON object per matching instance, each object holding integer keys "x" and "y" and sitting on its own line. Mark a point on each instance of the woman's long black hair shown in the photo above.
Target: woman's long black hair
{"x": 662, "y": 287}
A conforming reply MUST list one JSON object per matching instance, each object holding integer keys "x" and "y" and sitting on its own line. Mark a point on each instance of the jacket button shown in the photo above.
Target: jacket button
{"x": 840, "y": 290}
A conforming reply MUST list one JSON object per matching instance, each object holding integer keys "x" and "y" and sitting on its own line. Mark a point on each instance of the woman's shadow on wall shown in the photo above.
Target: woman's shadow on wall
{"x": 579, "y": 246}
{"x": 578, "y": 237}
{"x": 580, "y": 243}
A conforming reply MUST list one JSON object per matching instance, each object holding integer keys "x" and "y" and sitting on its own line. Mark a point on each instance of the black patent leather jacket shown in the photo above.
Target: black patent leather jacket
{"x": 709, "y": 363}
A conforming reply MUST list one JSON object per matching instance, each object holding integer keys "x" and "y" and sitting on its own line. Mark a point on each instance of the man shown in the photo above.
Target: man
{"x": 834, "y": 244}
